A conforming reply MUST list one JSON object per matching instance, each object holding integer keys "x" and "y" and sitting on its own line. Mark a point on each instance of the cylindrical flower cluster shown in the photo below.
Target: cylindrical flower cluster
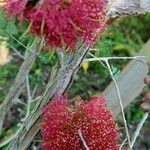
{"x": 15, "y": 8}
{"x": 62, "y": 122}
{"x": 62, "y": 22}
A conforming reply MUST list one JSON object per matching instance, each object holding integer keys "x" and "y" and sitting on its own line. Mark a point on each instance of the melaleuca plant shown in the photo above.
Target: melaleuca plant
{"x": 65, "y": 124}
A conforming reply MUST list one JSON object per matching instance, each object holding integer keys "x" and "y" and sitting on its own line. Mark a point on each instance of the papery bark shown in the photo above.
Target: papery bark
{"x": 118, "y": 8}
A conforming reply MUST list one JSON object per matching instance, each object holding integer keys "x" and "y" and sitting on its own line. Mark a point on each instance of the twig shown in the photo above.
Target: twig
{"x": 34, "y": 91}
{"x": 123, "y": 143}
{"x": 139, "y": 127}
{"x": 96, "y": 59}
{"x": 138, "y": 58}
{"x": 18, "y": 41}
{"x": 120, "y": 102}
{"x": 7, "y": 141}
{"x": 27, "y": 30}
{"x": 24, "y": 119}
{"x": 17, "y": 86}
{"x": 29, "y": 97}
{"x": 83, "y": 140}
{"x": 60, "y": 55}
{"x": 16, "y": 51}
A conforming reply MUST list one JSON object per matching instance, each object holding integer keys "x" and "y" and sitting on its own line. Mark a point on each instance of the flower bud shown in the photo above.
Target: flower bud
{"x": 145, "y": 90}
{"x": 145, "y": 106}
{"x": 147, "y": 80}
{"x": 147, "y": 96}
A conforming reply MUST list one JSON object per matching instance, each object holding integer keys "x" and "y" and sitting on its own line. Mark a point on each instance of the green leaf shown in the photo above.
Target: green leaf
{"x": 3, "y": 23}
{"x": 116, "y": 71}
{"x": 2, "y": 32}
{"x": 23, "y": 27}
{"x": 11, "y": 28}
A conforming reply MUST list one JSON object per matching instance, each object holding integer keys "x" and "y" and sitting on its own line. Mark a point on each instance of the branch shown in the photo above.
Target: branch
{"x": 17, "y": 85}
{"x": 139, "y": 127}
{"x": 83, "y": 140}
{"x": 61, "y": 79}
{"x": 120, "y": 102}
{"x": 117, "y": 8}
{"x": 130, "y": 82}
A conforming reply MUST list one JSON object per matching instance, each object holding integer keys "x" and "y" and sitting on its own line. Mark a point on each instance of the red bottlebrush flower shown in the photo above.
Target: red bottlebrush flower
{"x": 63, "y": 22}
{"x": 61, "y": 125}
{"x": 15, "y": 7}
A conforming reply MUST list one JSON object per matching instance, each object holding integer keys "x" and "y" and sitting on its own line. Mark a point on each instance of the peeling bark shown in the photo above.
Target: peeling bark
{"x": 118, "y": 8}
{"x": 60, "y": 80}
